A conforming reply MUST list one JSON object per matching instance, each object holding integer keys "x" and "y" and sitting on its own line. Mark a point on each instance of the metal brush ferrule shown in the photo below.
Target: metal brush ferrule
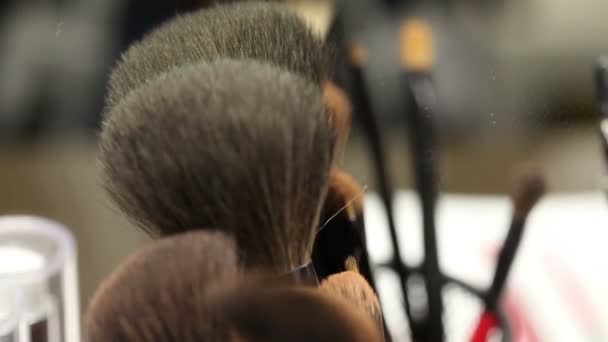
{"x": 304, "y": 275}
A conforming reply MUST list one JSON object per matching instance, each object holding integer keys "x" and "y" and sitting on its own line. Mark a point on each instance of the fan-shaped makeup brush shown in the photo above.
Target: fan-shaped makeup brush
{"x": 207, "y": 146}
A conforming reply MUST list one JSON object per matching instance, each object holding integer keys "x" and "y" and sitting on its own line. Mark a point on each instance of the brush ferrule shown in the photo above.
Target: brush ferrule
{"x": 304, "y": 275}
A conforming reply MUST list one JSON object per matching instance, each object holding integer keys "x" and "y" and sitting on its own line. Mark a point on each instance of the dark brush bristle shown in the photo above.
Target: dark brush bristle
{"x": 159, "y": 293}
{"x": 529, "y": 188}
{"x": 240, "y": 145}
{"x": 253, "y": 30}
{"x": 295, "y": 315}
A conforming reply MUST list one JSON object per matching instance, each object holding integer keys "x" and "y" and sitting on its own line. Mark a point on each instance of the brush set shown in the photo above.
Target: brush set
{"x": 220, "y": 137}
{"x": 415, "y": 46}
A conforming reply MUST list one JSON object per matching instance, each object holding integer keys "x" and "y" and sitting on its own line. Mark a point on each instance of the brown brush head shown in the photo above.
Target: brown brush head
{"x": 199, "y": 148}
{"x": 294, "y": 314}
{"x": 340, "y": 110}
{"x": 159, "y": 293}
{"x": 416, "y": 46}
{"x": 529, "y": 188}
{"x": 352, "y": 287}
{"x": 253, "y": 30}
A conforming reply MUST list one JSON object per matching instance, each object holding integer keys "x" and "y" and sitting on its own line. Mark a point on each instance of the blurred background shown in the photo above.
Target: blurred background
{"x": 514, "y": 79}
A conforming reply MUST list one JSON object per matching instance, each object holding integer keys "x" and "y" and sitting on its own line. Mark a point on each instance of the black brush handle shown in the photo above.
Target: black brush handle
{"x": 364, "y": 112}
{"x": 601, "y": 84}
{"x": 505, "y": 261}
{"x": 604, "y": 138}
{"x": 424, "y": 160}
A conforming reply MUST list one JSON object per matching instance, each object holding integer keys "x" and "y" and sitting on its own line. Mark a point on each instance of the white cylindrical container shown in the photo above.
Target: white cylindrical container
{"x": 38, "y": 281}
{"x": 11, "y": 315}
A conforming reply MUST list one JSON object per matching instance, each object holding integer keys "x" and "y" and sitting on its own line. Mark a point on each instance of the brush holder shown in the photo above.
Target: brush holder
{"x": 38, "y": 281}
{"x": 11, "y": 314}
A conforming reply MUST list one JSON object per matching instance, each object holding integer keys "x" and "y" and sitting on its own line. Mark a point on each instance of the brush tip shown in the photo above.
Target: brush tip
{"x": 416, "y": 45}
{"x": 530, "y": 187}
{"x": 357, "y": 54}
{"x": 351, "y": 264}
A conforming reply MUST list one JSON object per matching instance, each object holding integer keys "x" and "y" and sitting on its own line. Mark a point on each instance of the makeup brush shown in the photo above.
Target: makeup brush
{"x": 159, "y": 292}
{"x": 529, "y": 189}
{"x": 352, "y": 287}
{"x": 294, "y": 314}
{"x": 255, "y": 30}
{"x": 251, "y": 30}
{"x": 208, "y": 146}
{"x": 273, "y": 33}
{"x": 303, "y": 53}
{"x": 417, "y": 60}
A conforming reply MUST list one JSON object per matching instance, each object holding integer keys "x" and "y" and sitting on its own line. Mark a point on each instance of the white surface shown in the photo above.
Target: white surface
{"x": 560, "y": 274}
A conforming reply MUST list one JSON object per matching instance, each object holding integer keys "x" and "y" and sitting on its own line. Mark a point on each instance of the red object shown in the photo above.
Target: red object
{"x": 521, "y": 325}
{"x": 487, "y": 323}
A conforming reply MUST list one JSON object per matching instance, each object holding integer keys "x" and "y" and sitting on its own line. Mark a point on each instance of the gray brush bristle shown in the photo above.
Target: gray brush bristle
{"x": 252, "y": 30}
{"x": 233, "y": 145}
